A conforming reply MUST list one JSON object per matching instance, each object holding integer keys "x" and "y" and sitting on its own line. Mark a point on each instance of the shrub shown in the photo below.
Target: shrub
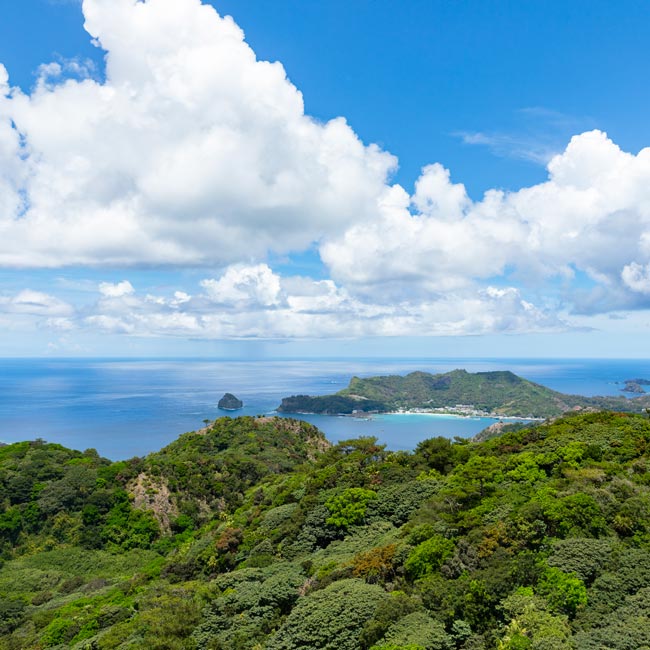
{"x": 428, "y": 556}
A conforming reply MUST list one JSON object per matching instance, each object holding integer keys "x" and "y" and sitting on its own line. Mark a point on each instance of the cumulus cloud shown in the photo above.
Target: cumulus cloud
{"x": 591, "y": 215}
{"x": 245, "y": 284}
{"x": 637, "y": 277}
{"x": 191, "y": 151}
{"x": 116, "y": 290}
{"x": 254, "y": 302}
{"x": 447, "y": 244}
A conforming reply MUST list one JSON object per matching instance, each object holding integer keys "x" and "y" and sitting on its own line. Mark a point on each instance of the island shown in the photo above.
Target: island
{"x": 230, "y": 403}
{"x": 635, "y": 386}
{"x": 496, "y": 394}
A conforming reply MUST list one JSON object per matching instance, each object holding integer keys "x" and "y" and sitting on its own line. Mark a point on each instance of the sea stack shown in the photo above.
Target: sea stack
{"x": 230, "y": 403}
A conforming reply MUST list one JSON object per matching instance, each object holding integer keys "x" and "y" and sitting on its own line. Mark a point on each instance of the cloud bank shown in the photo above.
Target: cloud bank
{"x": 592, "y": 215}
{"x": 254, "y": 302}
{"x": 192, "y": 152}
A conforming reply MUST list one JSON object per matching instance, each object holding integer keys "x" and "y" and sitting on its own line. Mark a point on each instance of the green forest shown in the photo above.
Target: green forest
{"x": 257, "y": 533}
{"x": 498, "y": 392}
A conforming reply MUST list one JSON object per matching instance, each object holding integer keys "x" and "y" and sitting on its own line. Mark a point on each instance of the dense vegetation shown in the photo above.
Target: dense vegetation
{"x": 499, "y": 392}
{"x": 255, "y": 533}
{"x": 331, "y": 405}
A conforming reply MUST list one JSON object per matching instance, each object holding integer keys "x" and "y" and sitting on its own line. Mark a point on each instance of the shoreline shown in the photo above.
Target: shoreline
{"x": 369, "y": 416}
{"x": 477, "y": 414}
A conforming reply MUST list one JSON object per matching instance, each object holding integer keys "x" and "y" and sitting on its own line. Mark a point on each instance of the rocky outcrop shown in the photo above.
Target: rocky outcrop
{"x": 230, "y": 403}
{"x": 150, "y": 493}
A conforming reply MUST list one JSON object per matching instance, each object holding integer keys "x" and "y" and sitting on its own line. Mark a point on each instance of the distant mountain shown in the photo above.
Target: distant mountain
{"x": 499, "y": 392}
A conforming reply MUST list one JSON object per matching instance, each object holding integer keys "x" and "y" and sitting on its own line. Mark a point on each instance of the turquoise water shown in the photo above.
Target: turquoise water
{"x": 398, "y": 431}
{"x": 128, "y": 407}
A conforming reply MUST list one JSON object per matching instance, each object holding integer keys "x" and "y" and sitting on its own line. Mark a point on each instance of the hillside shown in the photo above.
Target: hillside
{"x": 257, "y": 534}
{"x": 499, "y": 392}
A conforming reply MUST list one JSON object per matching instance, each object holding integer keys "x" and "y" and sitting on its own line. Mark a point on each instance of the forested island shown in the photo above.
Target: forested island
{"x": 257, "y": 533}
{"x": 635, "y": 386}
{"x": 497, "y": 393}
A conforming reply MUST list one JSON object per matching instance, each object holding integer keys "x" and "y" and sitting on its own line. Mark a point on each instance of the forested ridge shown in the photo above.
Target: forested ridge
{"x": 499, "y": 392}
{"x": 256, "y": 533}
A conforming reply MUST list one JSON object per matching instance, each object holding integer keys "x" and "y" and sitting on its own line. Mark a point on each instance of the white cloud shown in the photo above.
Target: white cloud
{"x": 111, "y": 324}
{"x": 61, "y": 324}
{"x": 12, "y": 169}
{"x": 592, "y": 215}
{"x": 180, "y": 298}
{"x": 193, "y": 152}
{"x": 436, "y": 196}
{"x": 190, "y": 152}
{"x": 445, "y": 246}
{"x": 254, "y": 302}
{"x": 536, "y": 134}
{"x": 523, "y": 147}
{"x": 35, "y": 303}
{"x": 241, "y": 284}
{"x": 637, "y": 277}
{"x": 117, "y": 290}
{"x": 58, "y": 72}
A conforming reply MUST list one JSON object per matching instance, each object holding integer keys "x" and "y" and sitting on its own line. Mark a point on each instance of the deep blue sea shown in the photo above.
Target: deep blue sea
{"x": 130, "y": 407}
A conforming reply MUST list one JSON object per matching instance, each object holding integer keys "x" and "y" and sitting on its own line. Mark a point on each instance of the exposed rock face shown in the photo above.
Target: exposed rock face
{"x": 230, "y": 403}
{"x": 150, "y": 493}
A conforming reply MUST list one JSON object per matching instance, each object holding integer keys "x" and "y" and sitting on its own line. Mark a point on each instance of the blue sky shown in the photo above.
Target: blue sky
{"x": 436, "y": 178}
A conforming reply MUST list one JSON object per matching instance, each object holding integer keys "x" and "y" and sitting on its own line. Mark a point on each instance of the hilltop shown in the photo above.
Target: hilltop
{"x": 500, "y": 393}
{"x": 258, "y": 534}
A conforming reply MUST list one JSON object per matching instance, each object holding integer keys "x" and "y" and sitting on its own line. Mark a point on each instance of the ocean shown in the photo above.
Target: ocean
{"x": 130, "y": 407}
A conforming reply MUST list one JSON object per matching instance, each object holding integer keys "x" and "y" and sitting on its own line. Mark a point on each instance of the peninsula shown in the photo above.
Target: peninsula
{"x": 498, "y": 393}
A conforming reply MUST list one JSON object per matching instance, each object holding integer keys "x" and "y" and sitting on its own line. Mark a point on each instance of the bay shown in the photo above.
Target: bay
{"x": 130, "y": 407}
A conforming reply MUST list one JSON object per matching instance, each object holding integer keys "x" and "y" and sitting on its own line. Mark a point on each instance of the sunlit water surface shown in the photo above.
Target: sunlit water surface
{"x": 130, "y": 407}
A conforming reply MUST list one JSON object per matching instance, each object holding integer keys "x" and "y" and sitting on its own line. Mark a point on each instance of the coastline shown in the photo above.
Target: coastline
{"x": 166, "y": 397}
{"x": 431, "y": 413}
{"x": 455, "y": 414}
